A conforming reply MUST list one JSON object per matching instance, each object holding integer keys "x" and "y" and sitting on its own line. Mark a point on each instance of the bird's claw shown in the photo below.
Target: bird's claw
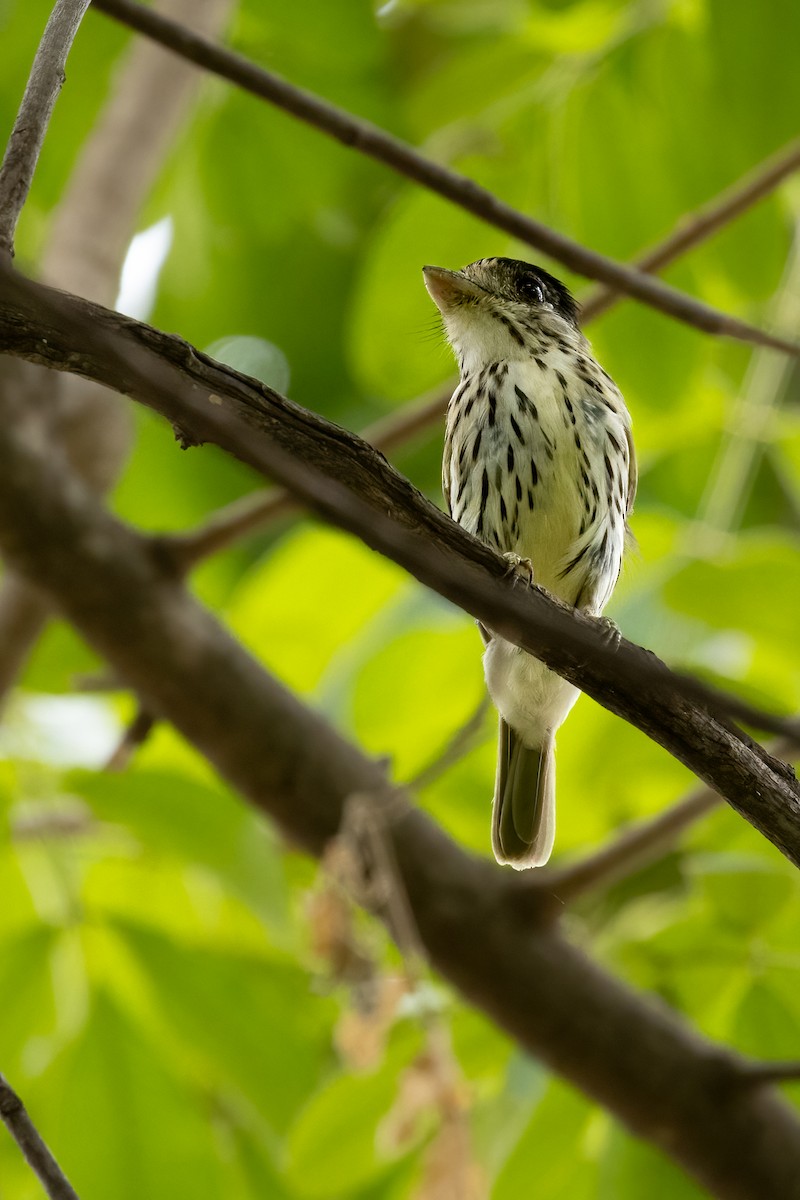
{"x": 521, "y": 568}
{"x": 610, "y": 632}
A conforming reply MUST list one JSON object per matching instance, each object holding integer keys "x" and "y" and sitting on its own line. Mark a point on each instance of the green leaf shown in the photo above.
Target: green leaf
{"x": 435, "y": 681}
{"x": 30, "y": 1018}
{"x": 246, "y": 1023}
{"x": 745, "y": 893}
{"x": 764, "y": 1026}
{"x": 275, "y": 609}
{"x": 119, "y": 1121}
{"x": 168, "y": 812}
{"x": 556, "y": 1150}
{"x": 333, "y": 1146}
{"x": 633, "y": 1168}
{"x": 253, "y": 356}
{"x": 739, "y": 590}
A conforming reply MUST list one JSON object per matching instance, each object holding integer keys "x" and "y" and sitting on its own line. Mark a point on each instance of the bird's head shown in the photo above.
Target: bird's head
{"x": 500, "y": 308}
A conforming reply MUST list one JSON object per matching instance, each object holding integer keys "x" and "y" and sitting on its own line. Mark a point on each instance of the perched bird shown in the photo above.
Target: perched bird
{"x": 539, "y": 463}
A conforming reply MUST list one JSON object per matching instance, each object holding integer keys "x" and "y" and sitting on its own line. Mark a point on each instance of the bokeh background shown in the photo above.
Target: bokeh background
{"x": 162, "y": 1009}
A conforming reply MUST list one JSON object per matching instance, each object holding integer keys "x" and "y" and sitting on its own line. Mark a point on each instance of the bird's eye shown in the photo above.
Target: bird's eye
{"x": 533, "y": 293}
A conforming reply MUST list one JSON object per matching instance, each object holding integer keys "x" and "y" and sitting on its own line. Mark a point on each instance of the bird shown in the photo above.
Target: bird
{"x": 538, "y": 463}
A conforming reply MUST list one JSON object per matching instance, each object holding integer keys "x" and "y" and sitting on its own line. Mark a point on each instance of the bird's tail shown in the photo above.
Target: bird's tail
{"x": 524, "y": 806}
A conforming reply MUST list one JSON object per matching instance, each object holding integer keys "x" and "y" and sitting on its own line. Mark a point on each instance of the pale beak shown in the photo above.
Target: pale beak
{"x": 447, "y": 288}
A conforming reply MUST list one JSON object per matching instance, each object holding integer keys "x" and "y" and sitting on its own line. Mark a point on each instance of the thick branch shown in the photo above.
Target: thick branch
{"x": 665, "y": 1082}
{"x": 344, "y": 480}
{"x": 41, "y": 92}
{"x": 370, "y": 140}
{"x": 29, "y": 1140}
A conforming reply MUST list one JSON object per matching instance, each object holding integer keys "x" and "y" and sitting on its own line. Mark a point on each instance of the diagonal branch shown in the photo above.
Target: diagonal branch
{"x": 664, "y": 1081}
{"x": 643, "y": 843}
{"x": 30, "y": 1142}
{"x": 632, "y": 850}
{"x": 251, "y": 513}
{"x": 376, "y": 143}
{"x": 352, "y": 486}
{"x": 41, "y": 92}
{"x": 696, "y": 227}
{"x": 765, "y": 1073}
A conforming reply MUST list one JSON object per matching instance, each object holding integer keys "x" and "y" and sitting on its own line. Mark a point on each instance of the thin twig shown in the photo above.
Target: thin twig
{"x": 228, "y": 525}
{"x": 29, "y": 1140}
{"x": 640, "y": 845}
{"x": 747, "y": 427}
{"x": 134, "y": 736}
{"x": 41, "y": 92}
{"x": 696, "y": 227}
{"x": 757, "y": 1074}
{"x": 365, "y": 831}
{"x": 374, "y": 142}
{"x": 634, "y": 849}
{"x": 462, "y": 741}
{"x": 46, "y": 824}
{"x": 365, "y": 837}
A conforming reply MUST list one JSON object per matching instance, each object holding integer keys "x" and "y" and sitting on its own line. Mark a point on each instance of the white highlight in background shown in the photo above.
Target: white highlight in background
{"x": 146, "y": 256}
{"x": 64, "y": 731}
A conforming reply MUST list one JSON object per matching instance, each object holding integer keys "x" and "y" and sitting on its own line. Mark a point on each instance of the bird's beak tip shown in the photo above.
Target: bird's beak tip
{"x": 444, "y": 287}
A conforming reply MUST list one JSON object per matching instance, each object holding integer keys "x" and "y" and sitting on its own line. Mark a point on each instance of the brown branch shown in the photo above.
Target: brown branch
{"x": 86, "y": 244}
{"x": 635, "y": 848}
{"x": 23, "y": 612}
{"x": 374, "y": 142}
{"x": 643, "y": 843}
{"x": 41, "y": 92}
{"x": 137, "y": 732}
{"x": 465, "y": 738}
{"x": 665, "y": 1082}
{"x": 22, "y": 609}
{"x": 251, "y": 513}
{"x": 345, "y": 481}
{"x": 29, "y": 1140}
{"x": 226, "y": 526}
{"x": 696, "y": 227}
{"x": 762, "y": 1074}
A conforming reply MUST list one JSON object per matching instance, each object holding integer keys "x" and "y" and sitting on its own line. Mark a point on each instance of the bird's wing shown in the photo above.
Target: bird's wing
{"x": 633, "y": 472}
{"x": 448, "y": 450}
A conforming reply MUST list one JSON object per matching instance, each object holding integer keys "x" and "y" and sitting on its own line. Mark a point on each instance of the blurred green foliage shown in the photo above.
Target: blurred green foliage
{"x": 161, "y": 1010}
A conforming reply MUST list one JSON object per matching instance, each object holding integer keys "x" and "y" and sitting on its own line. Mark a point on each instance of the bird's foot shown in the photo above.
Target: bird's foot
{"x": 521, "y": 568}
{"x": 610, "y": 632}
